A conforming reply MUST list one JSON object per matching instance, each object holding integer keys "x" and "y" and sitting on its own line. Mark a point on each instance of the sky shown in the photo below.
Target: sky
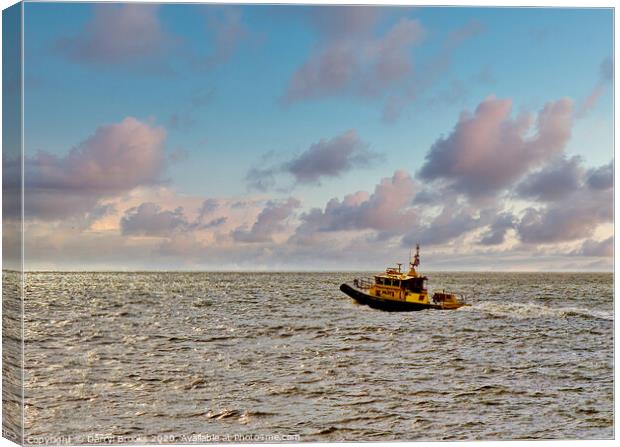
{"x": 271, "y": 137}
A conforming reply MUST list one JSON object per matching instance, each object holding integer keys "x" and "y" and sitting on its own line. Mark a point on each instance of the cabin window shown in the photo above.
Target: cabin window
{"x": 415, "y": 285}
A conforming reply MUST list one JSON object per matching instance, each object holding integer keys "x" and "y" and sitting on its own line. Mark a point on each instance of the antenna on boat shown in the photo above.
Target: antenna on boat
{"x": 416, "y": 260}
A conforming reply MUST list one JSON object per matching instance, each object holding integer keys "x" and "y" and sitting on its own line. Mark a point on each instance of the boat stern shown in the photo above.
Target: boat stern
{"x": 448, "y": 301}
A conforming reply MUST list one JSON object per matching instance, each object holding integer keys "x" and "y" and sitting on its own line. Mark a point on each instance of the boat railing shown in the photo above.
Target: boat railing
{"x": 363, "y": 283}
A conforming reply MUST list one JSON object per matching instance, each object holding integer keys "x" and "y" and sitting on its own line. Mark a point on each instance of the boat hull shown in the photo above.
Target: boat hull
{"x": 388, "y": 305}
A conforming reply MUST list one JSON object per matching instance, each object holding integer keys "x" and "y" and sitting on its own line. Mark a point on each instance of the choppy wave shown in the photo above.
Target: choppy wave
{"x": 179, "y": 354}
{"x": 535, "y": 310}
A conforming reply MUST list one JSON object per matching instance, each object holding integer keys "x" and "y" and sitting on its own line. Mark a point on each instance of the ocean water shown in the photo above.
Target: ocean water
{"x": 198, "y": 357}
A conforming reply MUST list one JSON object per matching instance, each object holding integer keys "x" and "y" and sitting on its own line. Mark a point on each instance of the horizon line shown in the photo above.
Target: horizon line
{"x": 293, "y": 271}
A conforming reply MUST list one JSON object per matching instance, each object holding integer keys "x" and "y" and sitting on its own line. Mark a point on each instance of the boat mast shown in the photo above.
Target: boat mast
{"x": 416, "y": 261}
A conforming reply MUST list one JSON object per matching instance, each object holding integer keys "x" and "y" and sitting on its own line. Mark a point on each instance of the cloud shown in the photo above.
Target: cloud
{"x": 455, "y": 219}
{"x": 488, "y": 150}
{"x": 185, "y": 248}
{"x": 330, "y": 158}
{"x": 228, "y": 31}
{"x": 115, "y": 159}
{"x": 352, "y": 58}
{"x": 118, "y": 34}
{"x": 573, "y": 203}
{"x": 186, "y": 119}
{"x": 208, "y": 206}
{"x": 355, "y": 56}
{"x": 591, "y": 100}
{"x": 156, "y": 227}
{"x": 601, "y": 177}
{"x": 574, "y": 217}
{"x": 452, "y": 222}
{"x": 325, "y": 159}
{"x": 343, "y": 21}
{"x": 578, "y": 201}
{"x": 261, "y": 179}
{"x": 270, "y": 221}
{"x": 217, "y": 222}
{"x": 97, "y": 213}
{"x": 606, "y": 70}
{"x": 603, "y": 248}
{"x": 498, "y": 229}
{"x": 606, "y": 74}
{"x": 556, "y": 180}
{"x": 387, "y": 210}
{"x": 131, "y": 35}
{"x": 429, "y": 72}
{"x": 149, "y": 219}
{"x": 390, "y": 57}
{"x": 457, "y": 37}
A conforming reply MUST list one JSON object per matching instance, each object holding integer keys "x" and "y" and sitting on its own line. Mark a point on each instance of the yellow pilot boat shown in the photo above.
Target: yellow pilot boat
{"x": 398, "y": 291}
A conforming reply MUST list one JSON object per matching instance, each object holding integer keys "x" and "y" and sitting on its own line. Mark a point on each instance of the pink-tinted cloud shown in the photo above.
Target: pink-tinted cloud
{"x": 118, "y": 34}
{"x": 389, "y": 58}
{"x": 116, "y": 158}
{"x": 270, "y": 221}
{"x": 326, "y": 72}
{"x": 332, "y": 66}
{"x": 355, "y": 57}
{"x": 352, "y": 58}
{"x": 591, "y": 100}
{"x": 387, "y": 210}
{"x": 489, "y": 150}
{"x": 606, "y": 74}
